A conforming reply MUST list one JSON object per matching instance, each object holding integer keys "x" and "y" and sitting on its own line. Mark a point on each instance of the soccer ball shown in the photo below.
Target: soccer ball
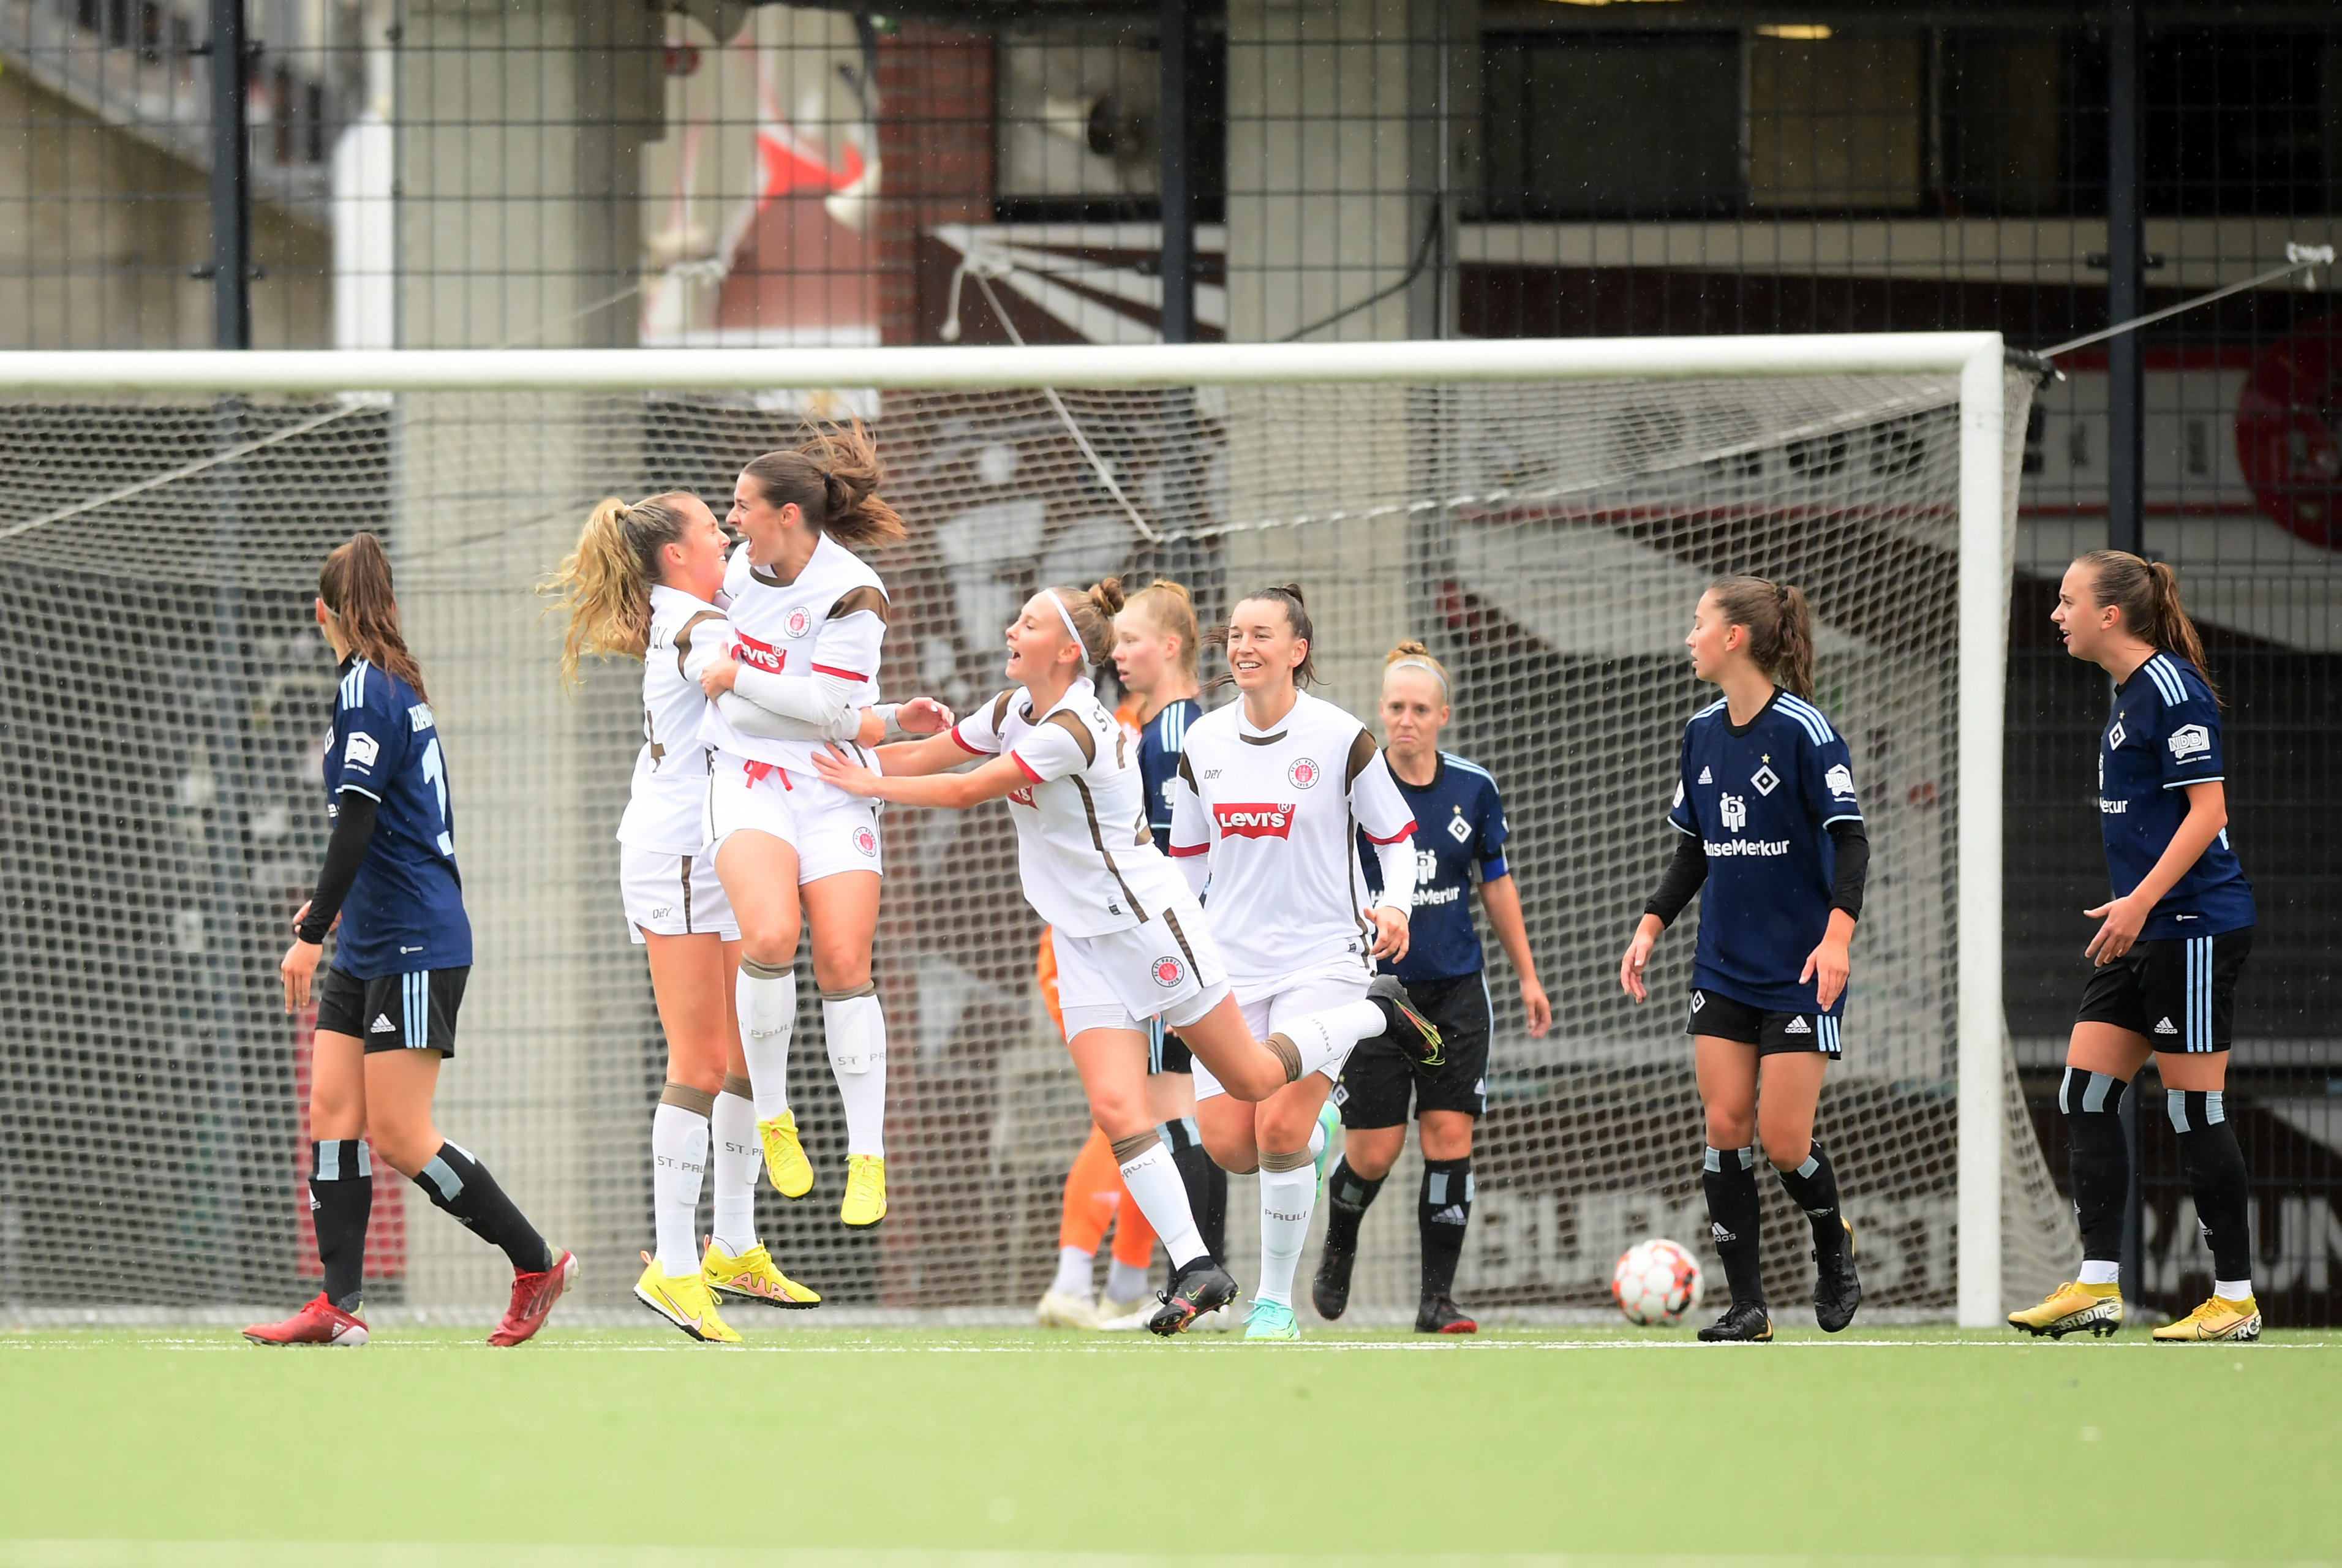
{"x": 1656, "y": 1282}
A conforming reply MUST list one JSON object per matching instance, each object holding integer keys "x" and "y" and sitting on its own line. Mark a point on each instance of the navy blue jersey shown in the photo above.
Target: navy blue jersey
{"x": 1160, "y": 742}
{"x": 1458, "y": 819}
{"x": 1761, "y": 799}
{"x": 2162, "y": 735}
{"x": 404, "y": 912}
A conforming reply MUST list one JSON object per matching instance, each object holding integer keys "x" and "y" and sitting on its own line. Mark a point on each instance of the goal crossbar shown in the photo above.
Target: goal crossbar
{"x": 1977, "y": 359}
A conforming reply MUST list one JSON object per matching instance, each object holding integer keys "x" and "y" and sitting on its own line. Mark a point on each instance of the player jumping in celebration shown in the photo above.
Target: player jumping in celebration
{"x": 1129, "y": 940}
{"x": 387, "y": 1008}
{"x": 642, "y": 583}
{"x": 1261, "y": 817}
{"x": 808, "y": 618}
{"x": 1459, "y": 820}
{"x": 1772, "y": 827}
{"x": 2169, "y": 946}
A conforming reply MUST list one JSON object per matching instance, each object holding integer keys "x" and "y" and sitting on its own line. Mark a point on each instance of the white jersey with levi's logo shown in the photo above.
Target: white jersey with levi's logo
{"x": 829, "y": 620}
{"x": 1083, "y": 851}
{"x": 670, "y": 785}
{"x": 1279, "y": 811}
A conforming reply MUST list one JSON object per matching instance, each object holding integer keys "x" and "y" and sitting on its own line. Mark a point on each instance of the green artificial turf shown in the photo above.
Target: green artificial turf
{"x": 1905, "y": 1443}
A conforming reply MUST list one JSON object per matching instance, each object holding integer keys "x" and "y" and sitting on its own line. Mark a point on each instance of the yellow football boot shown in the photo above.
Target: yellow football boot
{"x": 2071, "y": 1308}
{"x": 752, "y": 1276}
{"x": 785, "y": 1157}
{"x": 682, "y": 1300}
{"x": 2218, "y": 1319}
{"x": 865, "y": 1190}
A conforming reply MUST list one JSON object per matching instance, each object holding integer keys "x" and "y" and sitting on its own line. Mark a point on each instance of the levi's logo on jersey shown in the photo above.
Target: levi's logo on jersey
{"x": 763, "y": 655}
{"x": 1248, "y": 821}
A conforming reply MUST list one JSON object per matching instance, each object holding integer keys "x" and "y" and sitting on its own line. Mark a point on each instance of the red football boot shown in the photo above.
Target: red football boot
{"x": 319, "y": 1322}
{"x": 532, "y": 1300}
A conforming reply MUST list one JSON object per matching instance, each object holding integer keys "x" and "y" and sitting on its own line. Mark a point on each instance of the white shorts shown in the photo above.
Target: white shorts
{"x": 1313, "y": 990}
{"x": 1167, "y": 965}
{"x": 830, "y": 830}
{"x": 672, "y": 895}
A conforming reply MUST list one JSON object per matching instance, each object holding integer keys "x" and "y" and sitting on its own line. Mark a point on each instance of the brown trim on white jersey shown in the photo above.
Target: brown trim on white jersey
{"x": 1257, "y": 740}
{"x": 860, "y": 599}
{"x": 1079, "y": 731}
{"x": 1000, "y": 713}
{"x": 1171, "y": 919}
{"x": 682, "y": 639}
{"x": 1097, "y": 837}
{"x": 1362, "y": 753}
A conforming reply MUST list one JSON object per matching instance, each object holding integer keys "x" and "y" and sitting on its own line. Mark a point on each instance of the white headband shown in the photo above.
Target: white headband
{"x": 1422, "y": 664}
{"x": 1067, "y": 617}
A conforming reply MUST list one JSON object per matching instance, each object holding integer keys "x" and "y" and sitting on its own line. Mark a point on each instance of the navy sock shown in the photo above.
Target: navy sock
{"x": 1348, "y": 1197}
{"x": 1729, "y": 1176}
{"x": 2099, "y": 1165}
{"x": 461, "y": 1185}
{"x": 2217, "y": 1177}
{"x": 341, "y": 1200}
{"x": 1207, "y": 1184}
{"x": 1443, "y": 1214}
{"x": 1812, "y": 1185}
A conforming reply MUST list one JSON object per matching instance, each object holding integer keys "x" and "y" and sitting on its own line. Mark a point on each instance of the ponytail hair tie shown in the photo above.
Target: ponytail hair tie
{"x": 1421, "y": 664}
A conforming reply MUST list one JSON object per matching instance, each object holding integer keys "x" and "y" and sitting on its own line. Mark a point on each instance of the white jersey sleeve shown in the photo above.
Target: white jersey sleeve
{"x": 1191, "y": 829}
{"x": 978, "y": 734}
{"x": 1387, "y": 820}
{"x": 1053, "y": 750}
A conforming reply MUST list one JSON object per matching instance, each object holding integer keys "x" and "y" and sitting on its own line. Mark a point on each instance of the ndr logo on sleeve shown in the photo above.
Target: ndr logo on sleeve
{"x": 2189, "y": 740}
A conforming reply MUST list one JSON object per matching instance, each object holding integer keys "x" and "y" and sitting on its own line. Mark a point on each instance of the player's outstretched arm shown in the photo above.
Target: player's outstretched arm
{"x": 955, "y": 791}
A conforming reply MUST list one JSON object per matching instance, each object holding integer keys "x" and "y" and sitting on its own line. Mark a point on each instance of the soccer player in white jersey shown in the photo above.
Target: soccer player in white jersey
{"x": 808, "y": 618}
{"x": 1276, "y": 790}
{"x": 1773, "y": 842}
{"x": 643, "y": 583}
{"x": 1130, "y": 941}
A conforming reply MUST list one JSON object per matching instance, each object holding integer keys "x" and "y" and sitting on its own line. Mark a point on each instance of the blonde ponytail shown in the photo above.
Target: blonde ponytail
{"x": 604, "y": 583}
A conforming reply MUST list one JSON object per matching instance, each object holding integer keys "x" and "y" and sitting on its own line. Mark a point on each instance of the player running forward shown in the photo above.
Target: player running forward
{"x": 1771, "y": 826}
{"x": 1274, "y": 791}
{"x": 387, "y": 1008}
{"x": 1130, "y": 941}
{"x": 808, "y": 618}
{"x": 1459, "y": 820}
{"x": 2169, "y": 946}
{"x": 643, "y": 583}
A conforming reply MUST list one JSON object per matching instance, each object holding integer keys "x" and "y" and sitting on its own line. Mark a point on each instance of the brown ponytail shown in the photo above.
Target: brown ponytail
{"x": 834, "y": 481}
{"x": 354, "y": 584}
{"x": 1296, "y": 615}
{"x": 605, "y": 581}
{"x": 1781, "y": 626}
{"x": 2147, "y": 595}
{"x": 1092, "y": 612}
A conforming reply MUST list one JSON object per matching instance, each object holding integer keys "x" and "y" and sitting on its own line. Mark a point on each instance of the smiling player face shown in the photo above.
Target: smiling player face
{"x": 760, "y": 522}
{"x": 695, "y": 563}
{"x": 1263, "y": 652}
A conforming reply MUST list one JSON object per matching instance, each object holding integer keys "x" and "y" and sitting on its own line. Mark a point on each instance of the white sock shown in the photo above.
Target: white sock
{"x": 739, "y": 1159}
{"x": 1324, "y": 1038}
{"x": 2232, "y": 1290}
{"x": 1316, "y": 1139}
{"x": 768, "y": 1011}
{"x": 1073, "y": 1273}
{"x": 678, "y": 1161}
{"x": 857, "y": 1029}
{"x": 2100, "y": 1272}
{"x": 1286, "y": 1199}
{"x": 1155, "y": 1187}
{"x": 1125, "y": 1282}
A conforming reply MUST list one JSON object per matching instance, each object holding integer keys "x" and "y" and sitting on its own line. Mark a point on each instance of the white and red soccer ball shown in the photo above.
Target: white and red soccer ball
{"x": 1656, "y": 1282}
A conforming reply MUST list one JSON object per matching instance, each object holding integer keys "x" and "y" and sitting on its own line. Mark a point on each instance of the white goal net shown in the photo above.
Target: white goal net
{"x": 163, "y": 693}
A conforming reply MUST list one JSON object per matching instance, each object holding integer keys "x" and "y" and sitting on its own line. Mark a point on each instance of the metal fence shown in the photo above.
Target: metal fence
{"x": 555, "y": 172}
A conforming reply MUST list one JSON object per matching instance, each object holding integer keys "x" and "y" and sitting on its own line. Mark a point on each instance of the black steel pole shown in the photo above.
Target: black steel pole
{"x": 2127, "y": 439}
{"x": 1179, "y": 263}
{"x": 231, "y": 180}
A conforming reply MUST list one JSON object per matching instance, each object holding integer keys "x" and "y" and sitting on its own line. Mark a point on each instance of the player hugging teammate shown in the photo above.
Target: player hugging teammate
{"x": 1774, "y": 843}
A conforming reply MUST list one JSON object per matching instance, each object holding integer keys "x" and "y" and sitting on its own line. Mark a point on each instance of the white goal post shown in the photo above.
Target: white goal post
{"x": 830, "y": 380}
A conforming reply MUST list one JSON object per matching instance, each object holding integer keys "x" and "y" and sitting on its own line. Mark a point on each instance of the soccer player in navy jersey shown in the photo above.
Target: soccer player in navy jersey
{"x": 1460, "y": 824}
{"x": 387, "y": 1008}
{"x": 2169, "y": 946}
{"x": 1773, "y": 842}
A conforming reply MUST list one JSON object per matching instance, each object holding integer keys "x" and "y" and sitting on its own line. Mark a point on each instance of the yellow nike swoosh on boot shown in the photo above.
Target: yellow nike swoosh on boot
{"x": 2218, "y": 1319}
{"x": 785, "y": 1157}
